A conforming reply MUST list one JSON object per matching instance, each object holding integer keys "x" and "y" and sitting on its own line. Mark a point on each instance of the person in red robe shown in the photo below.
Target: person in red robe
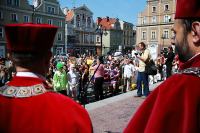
{"x": 27, "y": 103}
{"x": 174, "y": 106}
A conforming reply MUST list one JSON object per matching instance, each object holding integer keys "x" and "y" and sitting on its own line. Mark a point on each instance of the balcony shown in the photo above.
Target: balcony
{"x": 155, "y": 24}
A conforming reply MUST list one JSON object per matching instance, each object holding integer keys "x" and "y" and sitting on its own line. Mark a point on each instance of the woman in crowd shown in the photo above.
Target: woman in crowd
{"x": 99, "y": 78}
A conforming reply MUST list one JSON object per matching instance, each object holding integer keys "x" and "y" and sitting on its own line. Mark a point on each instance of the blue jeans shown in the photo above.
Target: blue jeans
{"x": 142, "y": 78}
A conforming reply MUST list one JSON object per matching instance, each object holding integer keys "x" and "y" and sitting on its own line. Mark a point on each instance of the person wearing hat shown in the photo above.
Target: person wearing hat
{"x": 27, "y": 103}
{"x": 174, "y": 106}
{"x": 60, "y": 79}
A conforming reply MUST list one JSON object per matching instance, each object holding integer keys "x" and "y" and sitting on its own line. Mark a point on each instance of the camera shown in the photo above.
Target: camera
{"x": 136, "y": 54}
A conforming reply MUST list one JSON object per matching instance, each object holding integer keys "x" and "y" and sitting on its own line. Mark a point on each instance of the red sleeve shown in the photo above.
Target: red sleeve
{"x": 172, "y": 107}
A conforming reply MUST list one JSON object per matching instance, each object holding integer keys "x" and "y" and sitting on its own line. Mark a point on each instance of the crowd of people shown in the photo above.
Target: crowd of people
{"x": 71, "y": 75}
{"x": 7, "y": 70}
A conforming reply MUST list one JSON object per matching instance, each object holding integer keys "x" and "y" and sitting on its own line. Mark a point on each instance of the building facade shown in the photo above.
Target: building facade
{"x": 80, "y": 31}
{"x": 49, "y": 12}
{"x": 12, "y": 11}
{"x": 129, "y": 34}
{"x": 112, "y": 37}
{"x": 20, "y": 11}
{"x": 154, "y": 25}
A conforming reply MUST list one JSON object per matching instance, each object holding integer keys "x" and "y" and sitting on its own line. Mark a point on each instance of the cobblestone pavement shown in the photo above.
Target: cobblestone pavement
{"x": 113, "y": 114}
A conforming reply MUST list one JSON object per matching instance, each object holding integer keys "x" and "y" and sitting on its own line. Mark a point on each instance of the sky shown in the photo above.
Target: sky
{"x": 125, "y": 10}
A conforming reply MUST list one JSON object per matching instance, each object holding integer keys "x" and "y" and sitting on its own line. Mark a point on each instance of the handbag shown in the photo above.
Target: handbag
{"x": 150, "y": 68}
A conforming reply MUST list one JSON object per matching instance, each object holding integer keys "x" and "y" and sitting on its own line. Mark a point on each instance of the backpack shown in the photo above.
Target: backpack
{"x": 150, "y": 68}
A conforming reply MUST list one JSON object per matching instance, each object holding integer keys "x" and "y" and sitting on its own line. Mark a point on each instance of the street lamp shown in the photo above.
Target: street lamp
{"x": 163, "y": 38}
{"x": 33, "y": 14}
{"x": 101, "y": 31}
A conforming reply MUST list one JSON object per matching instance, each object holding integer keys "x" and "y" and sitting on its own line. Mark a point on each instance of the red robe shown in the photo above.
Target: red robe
{"x": 173, "y": 107}
{"x": 49, "y": 112}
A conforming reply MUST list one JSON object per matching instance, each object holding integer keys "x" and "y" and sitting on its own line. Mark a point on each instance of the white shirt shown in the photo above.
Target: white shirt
{"x": 129, "y": 70}
{"x": 30, "y": 74}
{"x": 72, "y": 77}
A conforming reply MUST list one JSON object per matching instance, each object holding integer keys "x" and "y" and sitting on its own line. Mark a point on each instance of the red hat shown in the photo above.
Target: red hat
{"x": 187, "y": 9}
{"x": 29, "y": 37}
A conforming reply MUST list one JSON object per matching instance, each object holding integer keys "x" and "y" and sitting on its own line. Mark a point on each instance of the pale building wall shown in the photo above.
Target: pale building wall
{"x": 155, "y": 18}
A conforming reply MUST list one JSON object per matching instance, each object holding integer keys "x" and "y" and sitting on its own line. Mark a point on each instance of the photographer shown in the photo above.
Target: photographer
{"x": 142, "y": 76}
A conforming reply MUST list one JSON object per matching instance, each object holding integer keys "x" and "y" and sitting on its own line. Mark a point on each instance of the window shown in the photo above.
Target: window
{"x": 153, "y": 35}
{"x": 1, "y": 15}
{"x": 59, "y": 36}
{"x": 13, "y": 2}
{"x": 86, "y": 38}
{"x": 1, "y": 32}
{"x": 88, "y": 22}
{"x": 83, "y": 20}
{"x": 38, "y": 20}
{"x": 143, "y": 35}
{"x": 78, "y": 24}
{"x": 14, "y": 17}
{"x": 153, "y": 9}
{"x": 78, "y": 18}
{"x": 92, "y": 38}
{"x": 98, "y": 39}
{"x": 16, "y": 3}
{"x": 154, "y": 19}
{"x": 78, "y": 21}
{"x": 26, "y": 19}
{"x": 9, "y": 2}
{"x": 166, "y": 34}
{"x": 144, "y": 20}
{"x": 60, "y": 23}
{"x": 78, "y": 38}
{"x": 50, "y": 21}
{"x": 51, "y": 10}
{"x": 167, "y": 18}
{"x": 166, "y": 8}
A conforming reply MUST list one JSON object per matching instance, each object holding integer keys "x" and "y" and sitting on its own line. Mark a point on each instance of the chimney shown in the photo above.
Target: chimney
{"x": 107, "y": 18}
{"x": 99, "y": 19}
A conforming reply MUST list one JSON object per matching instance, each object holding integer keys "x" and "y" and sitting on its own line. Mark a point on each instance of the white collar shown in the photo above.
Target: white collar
{"x": 30, "y": 74}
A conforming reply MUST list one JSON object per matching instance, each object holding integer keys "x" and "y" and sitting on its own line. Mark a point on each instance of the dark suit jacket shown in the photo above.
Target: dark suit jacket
{"x": 170, "y": 58}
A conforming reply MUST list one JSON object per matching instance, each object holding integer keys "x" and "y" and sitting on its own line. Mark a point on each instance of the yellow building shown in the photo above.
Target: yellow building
{"x": 154, "y": 25}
